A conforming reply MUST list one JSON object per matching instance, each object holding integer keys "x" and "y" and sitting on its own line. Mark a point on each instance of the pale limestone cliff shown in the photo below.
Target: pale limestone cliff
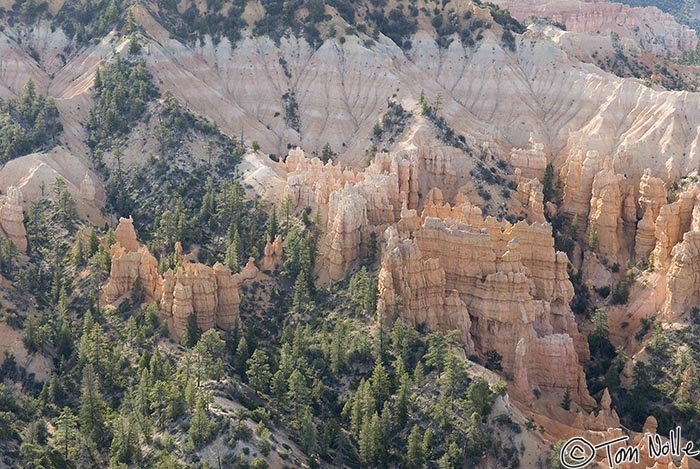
{"x": 131, "y": 263}
{"x": 12, "y": 218}
{"x": 673, "y": 221}
{"x": 125, "y": 235}
{"x": 605, "y": 216}
{"x": 530, "y": 161}
{"x": 529, "y": 194}
{"x": 513, "y": 285}
{"x": 649, "y": 27}
{"x": 652, "y": 196}
{"x": 87, "y": 189}
{"x": 272, "y": 254}
{"x": 683, "y": 279}
{"x": 211, "y": 294}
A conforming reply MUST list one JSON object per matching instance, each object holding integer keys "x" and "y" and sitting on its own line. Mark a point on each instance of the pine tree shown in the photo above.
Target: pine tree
{"x": 370, "y": 439}
{"x": 566, "y": 400}
{"x": 92, "y": 406}
{"x": 414, "y": 451}
{"x": 307, "y": 430}
{"x": 78, "y": 254}
{"x": 380, "y": 383}
{"x": 241, "y": 356}
{"x": 200, "y": 427}
{"x": 65, "y": 438}
{"x": 427, "y": 444}
{"x": 302, "y": 295}
{"x": 271, "y": 228}
{"x": 232, "y": 259}
{"x": 259, "y": 374}
{"x": 192, "y": 331}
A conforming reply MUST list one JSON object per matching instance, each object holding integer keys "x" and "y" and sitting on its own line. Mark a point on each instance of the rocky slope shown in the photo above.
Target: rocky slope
{"x": 650, "y": 28}
{"x": 460, "y": 167}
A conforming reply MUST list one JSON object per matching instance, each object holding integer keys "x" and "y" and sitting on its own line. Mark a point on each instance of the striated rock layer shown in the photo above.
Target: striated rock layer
{"x": 649, "y": 27}
{"x": 12, "y": 218}
{"x": 131, "y": 263}
{"x": 210, "y": 293}
{"x": 502, "y": 286}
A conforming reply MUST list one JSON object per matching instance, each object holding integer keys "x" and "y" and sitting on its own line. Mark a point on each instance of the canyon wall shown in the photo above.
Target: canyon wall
{"x": 649, "y": 27}
{"x": 502, "y": 286}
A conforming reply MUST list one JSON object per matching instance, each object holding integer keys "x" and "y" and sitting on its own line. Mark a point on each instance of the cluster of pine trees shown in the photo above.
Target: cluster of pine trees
{"x": 27, "y": 124}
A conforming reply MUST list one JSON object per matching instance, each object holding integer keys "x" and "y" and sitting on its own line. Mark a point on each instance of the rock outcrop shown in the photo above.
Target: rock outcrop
{"x": 125, "y": 235}
{"x": 652, "y": 196}
{"x": 529, "y": 194}
{"x": 12, "y": 218}
{"x": 673, "y": 221}
{"x": 512, "y": 283}
{"x": 87, "y": 189}
{"x": 683, "y": 279}
{"x": 211, "y": 294}
{"x": 131, "y": 263}
{"x": 605, "y": 215}
{"x": 530, "y": 161}
{"x": 272, "y": 254}
{"x": 649, "y": 27}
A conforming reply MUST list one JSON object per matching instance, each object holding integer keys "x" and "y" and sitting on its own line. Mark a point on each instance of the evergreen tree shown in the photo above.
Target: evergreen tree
{"x": 232, "y": 260}
{"x": 307, "y": 430}
{"x": 370, "y": 439}
{"x": 259, "y": 374}
{"x": 92, "y": 406}
{"x": 65, "y": 438}
{"x": 192, "y": 331}
{"x": 271, "y": 228}
{"x": 200, "y": 427}
{"x": 380, "y": 383}
{"x": 566, "y": 400}
{"x": 302, "y": 296}
{"x": 414, "y": 451}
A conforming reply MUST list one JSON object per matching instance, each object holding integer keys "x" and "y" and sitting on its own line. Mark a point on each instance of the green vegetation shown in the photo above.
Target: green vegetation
{"x": 389, "y": 127}
{"x": 123, "y": 90}
{"x": 27, "y": 124}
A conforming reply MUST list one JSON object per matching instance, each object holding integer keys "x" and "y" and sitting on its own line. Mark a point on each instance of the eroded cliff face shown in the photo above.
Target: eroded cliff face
{"x": 212, "y": 294}
{"x": 502, "y": 286}
{"x": 131, "y": 263}
{"x": 12, "y": 218}
{"x": 648, "y": 27}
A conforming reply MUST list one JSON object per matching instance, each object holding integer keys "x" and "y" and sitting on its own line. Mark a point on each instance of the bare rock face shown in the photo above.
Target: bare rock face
{"x": 578, "y": 175}
{"x": 673, "y": 221}
{"x": 683, "y": 284}
{"x": 606, "y": 211}
{"x": 347, "y": 218}
{"x": 512, "y": 283}
{"x": 529, "y": 194}
{"x": 131, "y": 263}
{"x": 649, "y": 27}
{"x": 530, "y": 161}
{"x": 272, "y": 254}
{"x": 12, "y": 218}
{"x": 652, "y": 194}
{"x": 130, "y": 267}
{"x": 87, "y": 189}
{"x": 210, "y": 293}
{"x": 421, "y": 285}
{"x": 125, "y": 235}
{"x": 351, "y": 204}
